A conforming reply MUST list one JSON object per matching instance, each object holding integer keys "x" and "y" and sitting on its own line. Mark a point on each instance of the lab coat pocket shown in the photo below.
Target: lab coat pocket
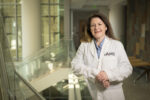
{"x": 109, "y": 62}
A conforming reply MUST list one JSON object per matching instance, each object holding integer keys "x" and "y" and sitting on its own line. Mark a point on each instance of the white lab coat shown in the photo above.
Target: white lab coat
{"x": 113, "y": 60}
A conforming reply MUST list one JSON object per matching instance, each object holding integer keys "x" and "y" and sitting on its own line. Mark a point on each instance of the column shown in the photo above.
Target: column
{"x": 31, "y": 30}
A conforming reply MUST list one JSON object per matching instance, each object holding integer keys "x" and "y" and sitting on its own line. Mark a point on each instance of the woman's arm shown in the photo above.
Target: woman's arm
{"x": 78, "y": 66}
{"x": 124, "y": 68}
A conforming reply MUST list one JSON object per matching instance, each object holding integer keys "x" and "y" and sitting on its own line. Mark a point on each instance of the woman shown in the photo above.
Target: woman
{"x": 102, "y": 61}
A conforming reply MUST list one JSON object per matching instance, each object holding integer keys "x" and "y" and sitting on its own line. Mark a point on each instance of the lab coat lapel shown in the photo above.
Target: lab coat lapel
{"x": 104, "y": 47}
{"x": 93, "y": 50}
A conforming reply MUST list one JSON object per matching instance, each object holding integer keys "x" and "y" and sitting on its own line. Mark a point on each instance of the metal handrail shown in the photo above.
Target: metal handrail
{"x": 28, "y": 85}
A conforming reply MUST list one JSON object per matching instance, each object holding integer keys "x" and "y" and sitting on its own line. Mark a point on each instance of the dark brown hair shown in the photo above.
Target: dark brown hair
{"x": 109, "y": 31}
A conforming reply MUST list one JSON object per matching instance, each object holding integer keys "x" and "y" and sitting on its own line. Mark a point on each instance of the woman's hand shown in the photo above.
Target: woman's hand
{"x": 102, "y": 77}
{"x": 106, "y": 84}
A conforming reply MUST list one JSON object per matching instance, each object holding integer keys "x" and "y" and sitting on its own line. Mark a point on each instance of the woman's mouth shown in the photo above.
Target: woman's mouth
{"x": 97, "y": 31}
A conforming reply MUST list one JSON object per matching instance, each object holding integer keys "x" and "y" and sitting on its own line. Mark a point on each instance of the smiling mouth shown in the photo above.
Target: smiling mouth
{"x": 98, "y": 32}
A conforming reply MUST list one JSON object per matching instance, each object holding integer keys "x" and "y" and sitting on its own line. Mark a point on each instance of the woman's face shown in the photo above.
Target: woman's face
{"x": 98, "y": 28}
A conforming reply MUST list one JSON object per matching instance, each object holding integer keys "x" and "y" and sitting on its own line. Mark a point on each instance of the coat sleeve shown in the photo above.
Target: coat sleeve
{"x": 79, "y": 67}
{"x": 123, "y": 69}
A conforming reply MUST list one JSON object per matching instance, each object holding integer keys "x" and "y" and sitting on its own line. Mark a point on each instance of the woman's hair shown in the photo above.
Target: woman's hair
{"x": 109, "y": 31}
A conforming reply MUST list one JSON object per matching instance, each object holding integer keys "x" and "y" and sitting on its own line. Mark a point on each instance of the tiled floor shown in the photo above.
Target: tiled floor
{"x": 136, "y": 91}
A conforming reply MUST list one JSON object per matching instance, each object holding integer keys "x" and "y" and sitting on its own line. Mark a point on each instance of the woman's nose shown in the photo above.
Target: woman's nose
{"x": 96, "y": 26}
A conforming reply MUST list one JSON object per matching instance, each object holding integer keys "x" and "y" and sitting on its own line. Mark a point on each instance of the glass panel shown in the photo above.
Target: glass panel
{"x": 61, "y": 2}
{"x": 13, "y": 47}
{"x": 44, "y": 1}
{"x": 54, "y": 29}
{"x": 44, "y": 10}
{"x": 6, "y": 65}
{"x": 54, "y": 1}
{"x": 84, "y": 89}
{"x": 58, "y": 91}
{"x": 19, "y": 1}
{"x": 9, "y": 1}
{"x": 61, "y": 27}
{"x": 10, "y": 30}
{"x": 61, "y": 18}
{"x": 46, "y": 62}
{"x": 54, "y": 10}
{"x": 9, "y": 14}
{"x": 9, "y": 10}
{"x": 51, "y": 1}
{"x": 19, "y": 38}
{"x": 12, "y": 87}
{"x": 45, "y": 32}
{"x": 22, "y": 91}
{"x": 55, "y": 24}
{"x": 10, "y": 25}
{"x": 19, "y": 10}
{"x": 61, "y": 10}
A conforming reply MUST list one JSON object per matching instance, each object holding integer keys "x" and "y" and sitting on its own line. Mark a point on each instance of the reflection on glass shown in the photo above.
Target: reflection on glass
{"x": 52, "y": 13}
{"x": 44, "y": 1}
{"x": 19, "y": 38}
{"x": 10, "y": 30}
{"x": 18, "y": 1}
{"x": 23, "y": 92}
{"x": 58, "y": 91}
{"x": 53, "y": 23}
{"x": 9, "y": 1}
{"x": 56, "y": 56}
{"x": 12, "y": 24}
{"x": 47, "y": 62}
{"x": 84, "y": 89}
{"x": 9, "y": 10}
{"x": 44, "y": 10}
{"x": 19, "y": 10}
{"x": 45, "y": 31}
{"x": 13, "y": 44}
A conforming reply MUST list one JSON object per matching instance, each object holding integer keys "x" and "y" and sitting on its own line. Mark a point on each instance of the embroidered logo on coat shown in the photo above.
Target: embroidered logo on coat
{"x": 109, "y": 54}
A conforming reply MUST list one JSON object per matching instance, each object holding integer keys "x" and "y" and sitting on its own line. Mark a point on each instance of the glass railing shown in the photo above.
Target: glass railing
{"x": 12, "y": 86}
{"x": 16, "y": 84}
{"x": 6, "y": 66}
{"x": 58, "y": 91}
{"x": 47, "y": 60}
{"x": 85, "y": 95}
{"x": 73, "y": 88}
{"x": 24, "y": 91}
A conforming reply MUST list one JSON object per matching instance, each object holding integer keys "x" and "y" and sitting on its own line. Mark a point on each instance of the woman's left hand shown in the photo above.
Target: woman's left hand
{"x": 102, "y": 76}
{"x": 106, "y": 84}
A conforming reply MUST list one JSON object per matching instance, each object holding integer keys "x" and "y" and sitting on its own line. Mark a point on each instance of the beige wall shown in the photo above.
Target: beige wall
{"x": 117, "y": 20}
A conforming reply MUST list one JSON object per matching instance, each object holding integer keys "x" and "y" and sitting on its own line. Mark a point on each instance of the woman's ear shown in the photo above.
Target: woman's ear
{"x": 106, "y": 28}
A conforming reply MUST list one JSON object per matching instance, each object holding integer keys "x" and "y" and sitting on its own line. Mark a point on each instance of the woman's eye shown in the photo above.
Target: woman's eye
{"x": 92, "y": 25}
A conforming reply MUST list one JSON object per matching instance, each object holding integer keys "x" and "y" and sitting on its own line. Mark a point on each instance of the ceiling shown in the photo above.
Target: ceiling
{"x": 94, "y": 4}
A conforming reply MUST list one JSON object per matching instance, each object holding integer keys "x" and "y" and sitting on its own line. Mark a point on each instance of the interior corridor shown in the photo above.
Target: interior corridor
{"x": 39, "y": 38}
